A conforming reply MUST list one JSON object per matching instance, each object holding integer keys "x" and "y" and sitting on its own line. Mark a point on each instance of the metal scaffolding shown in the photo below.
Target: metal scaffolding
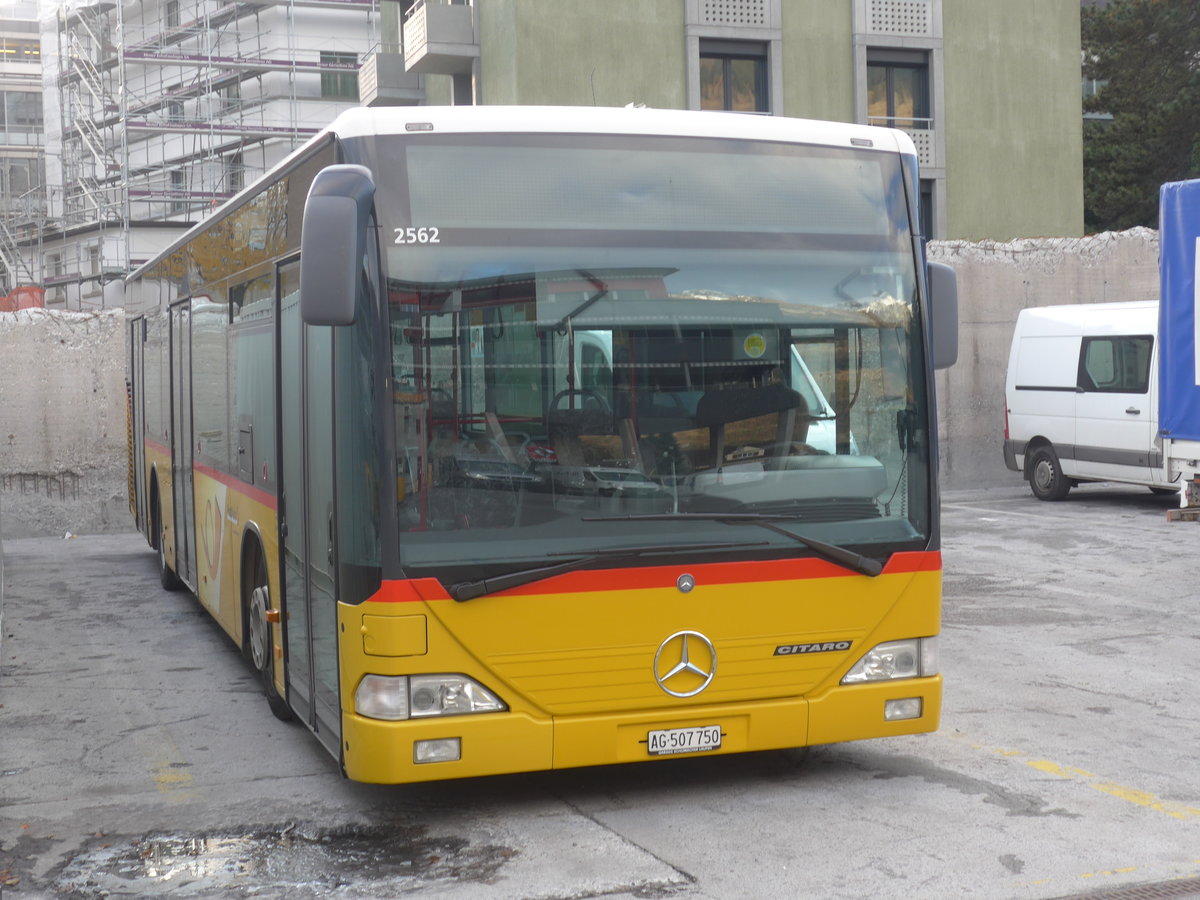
{"x": 170, "y": 107}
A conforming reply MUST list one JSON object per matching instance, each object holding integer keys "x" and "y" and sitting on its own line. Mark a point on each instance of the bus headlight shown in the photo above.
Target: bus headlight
{"x": 397, "y": 697}
{"x": 450, "y": 695}
{"x": 913, "y": 658}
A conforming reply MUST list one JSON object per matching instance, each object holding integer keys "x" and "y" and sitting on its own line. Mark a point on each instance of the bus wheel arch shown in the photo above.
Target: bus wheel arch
{"x": 258, "y": 645}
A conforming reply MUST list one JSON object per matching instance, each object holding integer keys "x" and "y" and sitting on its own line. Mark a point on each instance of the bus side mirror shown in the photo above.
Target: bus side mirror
{"x": 332, "y": 243}
{"x": 943, "y": 314}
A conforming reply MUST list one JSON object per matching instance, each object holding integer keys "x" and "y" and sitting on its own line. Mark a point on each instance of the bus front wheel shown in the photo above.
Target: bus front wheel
{"x": 262, "y": 648}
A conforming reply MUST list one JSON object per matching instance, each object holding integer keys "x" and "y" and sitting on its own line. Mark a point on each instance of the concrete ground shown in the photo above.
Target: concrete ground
{"x": 138, "y": 758}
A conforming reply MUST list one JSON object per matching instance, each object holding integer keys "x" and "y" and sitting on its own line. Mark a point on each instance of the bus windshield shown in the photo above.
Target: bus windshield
{"x": 606, "y": 343}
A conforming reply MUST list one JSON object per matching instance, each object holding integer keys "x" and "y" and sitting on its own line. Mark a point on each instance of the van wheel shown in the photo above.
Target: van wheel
{"x": 1046, "y": 478}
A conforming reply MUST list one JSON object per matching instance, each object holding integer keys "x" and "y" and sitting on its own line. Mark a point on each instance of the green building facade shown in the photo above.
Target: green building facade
{"x": 989, "y": 91}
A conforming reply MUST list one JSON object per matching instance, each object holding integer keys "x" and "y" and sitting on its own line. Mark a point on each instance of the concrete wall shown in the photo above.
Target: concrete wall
{"x": 62, "y": 423}
{"x": 995, "y": 282}
{"x": 62, "y": 378}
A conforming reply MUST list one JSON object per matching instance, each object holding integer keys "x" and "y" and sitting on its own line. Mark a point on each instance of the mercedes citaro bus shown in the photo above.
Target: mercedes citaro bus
{"x": 509, "y": 439}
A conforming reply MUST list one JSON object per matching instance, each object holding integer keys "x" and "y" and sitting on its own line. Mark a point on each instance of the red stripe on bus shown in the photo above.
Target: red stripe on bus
{"x": 238, "y": 486}
{"x": 592, "y": 580}
{"x": 155, "y": 445}
{"x": 233, "y": 483}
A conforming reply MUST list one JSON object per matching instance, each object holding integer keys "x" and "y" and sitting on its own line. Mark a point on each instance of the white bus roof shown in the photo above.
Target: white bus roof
{"x": 363, "y": 122}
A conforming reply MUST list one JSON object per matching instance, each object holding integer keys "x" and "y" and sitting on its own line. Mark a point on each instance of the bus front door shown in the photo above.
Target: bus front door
{"x": 305, "y": 375}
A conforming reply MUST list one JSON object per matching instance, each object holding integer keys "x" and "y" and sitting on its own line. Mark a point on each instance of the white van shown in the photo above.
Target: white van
{"x": 1081, "y": 397}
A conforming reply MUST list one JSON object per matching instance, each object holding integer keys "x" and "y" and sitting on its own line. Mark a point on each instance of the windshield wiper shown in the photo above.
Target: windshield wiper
{"x": 469, "y": 590}
{"x": 864, "y": 565}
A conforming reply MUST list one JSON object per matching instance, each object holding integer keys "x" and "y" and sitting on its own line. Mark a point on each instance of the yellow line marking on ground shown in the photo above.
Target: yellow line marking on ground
{"x": 1144, "y": 799}
{"x": 1124, "y": 870}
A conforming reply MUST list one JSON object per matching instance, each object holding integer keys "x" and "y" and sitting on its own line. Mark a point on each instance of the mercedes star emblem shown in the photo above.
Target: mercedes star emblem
{"x": 681, "y": 659}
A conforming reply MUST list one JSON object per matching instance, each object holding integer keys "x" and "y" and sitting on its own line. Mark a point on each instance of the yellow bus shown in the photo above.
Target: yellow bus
{"x": 513, "y": 439}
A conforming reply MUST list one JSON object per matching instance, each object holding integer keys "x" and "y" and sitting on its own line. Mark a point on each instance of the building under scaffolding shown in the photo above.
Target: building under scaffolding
{"x": 165, "y": 108}
{"x": 157, "y": 110}
{"x": 22, "y": 197}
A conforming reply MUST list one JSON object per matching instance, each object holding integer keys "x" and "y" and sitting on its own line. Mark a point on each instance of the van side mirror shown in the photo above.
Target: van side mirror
{"x": 332, "y": 242}
{"x": 943, "y": 314}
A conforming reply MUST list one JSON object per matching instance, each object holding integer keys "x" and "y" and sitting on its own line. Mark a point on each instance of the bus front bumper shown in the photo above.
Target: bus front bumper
{"x": 499, "y": 743}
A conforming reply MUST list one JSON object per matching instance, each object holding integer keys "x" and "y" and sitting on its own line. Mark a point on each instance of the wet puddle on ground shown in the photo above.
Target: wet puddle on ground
{"x": 293, "y": 862}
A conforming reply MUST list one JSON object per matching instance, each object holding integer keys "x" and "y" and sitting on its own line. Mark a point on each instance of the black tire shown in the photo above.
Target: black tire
{"x": 166, "y": 575}
{"x": 259, "y": 645}
{"x": 1046, "y": 478}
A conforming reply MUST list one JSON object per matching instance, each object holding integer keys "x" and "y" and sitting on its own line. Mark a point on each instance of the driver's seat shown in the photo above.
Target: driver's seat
{"x": 718, "y": 408}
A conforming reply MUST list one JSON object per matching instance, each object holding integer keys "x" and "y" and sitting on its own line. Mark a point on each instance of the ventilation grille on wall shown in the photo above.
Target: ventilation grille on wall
{"x": 923, "y": 140}
{"x": 734, "y": 12}
{"x": 902, "y": 17}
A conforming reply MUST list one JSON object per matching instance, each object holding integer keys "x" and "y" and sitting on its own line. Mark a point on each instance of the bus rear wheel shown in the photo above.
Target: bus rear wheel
{"x": 166, "y": 576}
{"x": 258, "y": 638}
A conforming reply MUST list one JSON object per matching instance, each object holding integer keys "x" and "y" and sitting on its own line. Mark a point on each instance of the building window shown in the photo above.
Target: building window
{"x": 14, "y": 177}
{"x": 178, "y": 191}
{"x": 898, "y": 89}
{"x": 733, "y": 76}
{"x": 235, "y": 173}
{"x": 20, "y": 111}
{"x": 13, "y": 49}
{"x": 342, "y": 83}
{"x": 21, "y": 194}
{"x": 231, "y": 97}
{"x": 172, "y": 13}
{"x": 55, "y": 293}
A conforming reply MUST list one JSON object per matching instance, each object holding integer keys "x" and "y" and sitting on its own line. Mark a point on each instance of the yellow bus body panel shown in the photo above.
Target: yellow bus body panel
{"x": 225, "y": 514}
{"x": 576, "y": 668}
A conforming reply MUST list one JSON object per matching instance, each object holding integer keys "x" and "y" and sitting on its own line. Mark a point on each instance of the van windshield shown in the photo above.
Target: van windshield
{"x": 645, "y": 347}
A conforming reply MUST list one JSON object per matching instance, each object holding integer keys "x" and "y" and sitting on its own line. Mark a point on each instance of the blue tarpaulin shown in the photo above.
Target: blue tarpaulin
{"x": 1179, "y": 365}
